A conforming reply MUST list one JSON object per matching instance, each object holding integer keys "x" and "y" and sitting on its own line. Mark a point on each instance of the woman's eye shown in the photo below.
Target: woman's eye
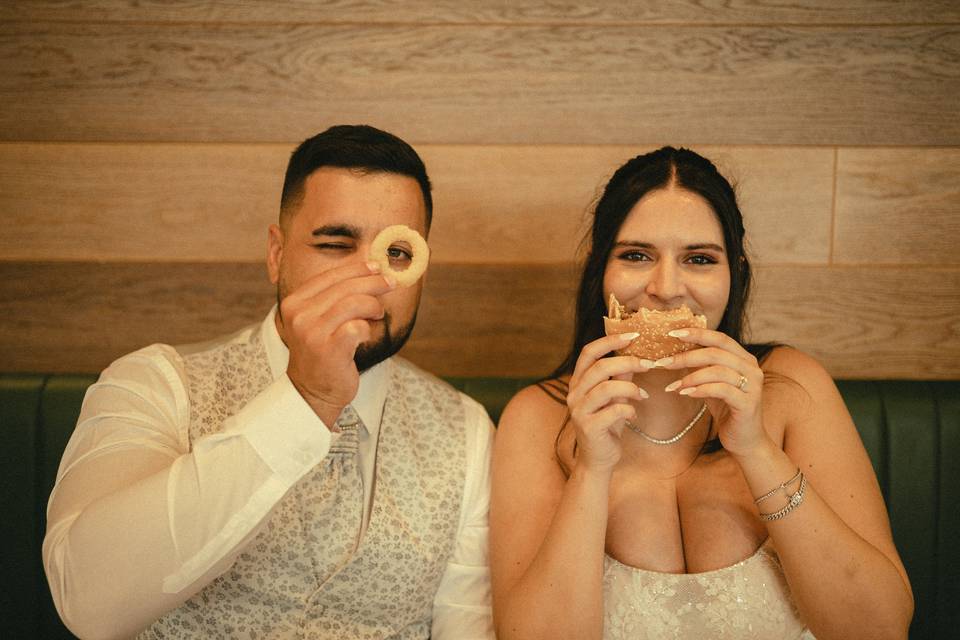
{"x": 702, "y": 259}
{"x": 634, "y": 256}
{"x": 332, "y": 246}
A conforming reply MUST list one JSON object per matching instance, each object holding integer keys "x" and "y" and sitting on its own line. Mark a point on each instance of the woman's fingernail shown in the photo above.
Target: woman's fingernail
{"x": 678, "y": 333}
{"x": 374, "y": 266}
{"x": 643, "y": 394}
{"x": 647, "y": 364}
{"x": 687, "y": 391}
{"x": 662, "y": 362}
{"x": 673, "y": 386}
{"x": 629, "y": 336}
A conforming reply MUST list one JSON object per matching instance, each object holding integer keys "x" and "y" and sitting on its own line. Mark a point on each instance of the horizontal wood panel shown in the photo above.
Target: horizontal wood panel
{"x": 476, "y": 320}
{"x": 193, "y": 202}
{"x": 865, "y": 322}
{"x": 78, "y": 317}
{"x": 486, "y": 11}
{"x": 139, "y": 202}
{"x": 482, "y": 84}
{"x": 897, "y": 206}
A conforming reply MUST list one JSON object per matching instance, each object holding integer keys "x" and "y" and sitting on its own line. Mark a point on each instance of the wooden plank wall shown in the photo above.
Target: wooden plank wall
{"x": 142, "y": 148}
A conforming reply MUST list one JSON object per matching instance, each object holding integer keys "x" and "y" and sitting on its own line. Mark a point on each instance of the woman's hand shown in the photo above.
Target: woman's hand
{"x": 730, "y": 380}
{"x": 600, "y": 399}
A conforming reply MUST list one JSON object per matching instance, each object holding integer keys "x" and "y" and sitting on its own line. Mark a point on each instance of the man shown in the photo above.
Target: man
{"x": 294, "y": 479}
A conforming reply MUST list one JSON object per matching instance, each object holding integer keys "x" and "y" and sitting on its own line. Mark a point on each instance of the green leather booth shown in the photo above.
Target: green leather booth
{"x": 911, "y": 430}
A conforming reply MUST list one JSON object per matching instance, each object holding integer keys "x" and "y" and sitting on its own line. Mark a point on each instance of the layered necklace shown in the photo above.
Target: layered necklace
{"x": 673, "y": 438}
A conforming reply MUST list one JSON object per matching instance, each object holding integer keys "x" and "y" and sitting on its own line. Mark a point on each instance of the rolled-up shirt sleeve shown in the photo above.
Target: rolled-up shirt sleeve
{"x": 139, "y": 520}
{"x": 462, "y": 606}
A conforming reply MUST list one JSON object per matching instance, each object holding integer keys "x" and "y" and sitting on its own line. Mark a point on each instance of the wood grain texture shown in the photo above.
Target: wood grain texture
{"x": 870, "y": 322}
{"x": 583, "y": 84}
{"x": 861, "y": 323}
{"x": 185, "y": 202}
{"x": 897, "y": 206}
{"x": 489, "y": 11}
{"x": 493, "y": 204}
{"x": 78, "y": 317}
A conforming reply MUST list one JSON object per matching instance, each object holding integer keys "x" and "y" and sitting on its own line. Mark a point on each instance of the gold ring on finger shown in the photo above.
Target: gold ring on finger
{"x": 742, "y": 384}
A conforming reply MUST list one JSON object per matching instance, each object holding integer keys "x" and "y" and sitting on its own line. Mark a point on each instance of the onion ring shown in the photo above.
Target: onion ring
{"x": 418, "y": 248}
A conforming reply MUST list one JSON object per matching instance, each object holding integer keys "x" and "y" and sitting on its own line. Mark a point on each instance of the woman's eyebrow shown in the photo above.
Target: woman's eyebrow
{"x": 700, "y": 246}
{"x": 632, "y": 243}
{"x": 709, "y": 246}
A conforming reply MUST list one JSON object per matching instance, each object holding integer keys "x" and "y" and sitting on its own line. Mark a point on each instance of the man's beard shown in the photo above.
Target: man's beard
{"x": 368, "y": 355}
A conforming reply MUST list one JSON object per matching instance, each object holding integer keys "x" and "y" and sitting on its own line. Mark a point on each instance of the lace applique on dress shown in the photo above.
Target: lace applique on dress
{"x": 749, "y": 599}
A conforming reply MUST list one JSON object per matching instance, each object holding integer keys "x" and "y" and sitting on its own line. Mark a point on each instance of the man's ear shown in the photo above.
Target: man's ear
{"x": 274, "y": 252}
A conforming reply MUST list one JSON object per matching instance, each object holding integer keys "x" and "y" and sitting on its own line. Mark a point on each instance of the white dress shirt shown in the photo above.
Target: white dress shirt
{"x": 138, "y": 522}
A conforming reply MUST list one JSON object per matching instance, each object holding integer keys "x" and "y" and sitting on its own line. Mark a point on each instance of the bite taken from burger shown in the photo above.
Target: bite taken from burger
{"x": 653, "y": 342}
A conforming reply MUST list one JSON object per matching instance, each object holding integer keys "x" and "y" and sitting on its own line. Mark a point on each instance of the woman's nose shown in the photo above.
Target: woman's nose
{"x": 665, "y": 282}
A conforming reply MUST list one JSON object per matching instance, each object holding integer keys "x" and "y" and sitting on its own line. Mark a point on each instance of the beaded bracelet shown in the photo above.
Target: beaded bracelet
{"x": 794, "y": 502}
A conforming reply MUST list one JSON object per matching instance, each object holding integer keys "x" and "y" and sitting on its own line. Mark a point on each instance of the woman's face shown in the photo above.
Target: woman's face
{"x": 668, "y": 252}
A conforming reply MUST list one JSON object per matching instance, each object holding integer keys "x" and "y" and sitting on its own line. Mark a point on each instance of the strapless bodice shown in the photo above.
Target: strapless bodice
{"x": 749, "y": 599}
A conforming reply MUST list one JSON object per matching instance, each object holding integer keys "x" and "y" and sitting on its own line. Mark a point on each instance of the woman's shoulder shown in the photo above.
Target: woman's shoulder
{"x": 545, "y": 396}
{"x": 797, "y": 366}
{"x": 537, "y": 408}
{"x": 797, "y": 385}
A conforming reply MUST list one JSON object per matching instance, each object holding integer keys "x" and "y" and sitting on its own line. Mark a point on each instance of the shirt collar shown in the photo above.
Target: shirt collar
{"x": 372, "y": 393}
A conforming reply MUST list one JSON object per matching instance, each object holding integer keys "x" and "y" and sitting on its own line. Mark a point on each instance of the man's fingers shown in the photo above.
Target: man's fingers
{"x": 333, "y": 295}
{"x": 348, "y": 336}
{"x": 365, "y": 275}
{"x": 326, "y": 322}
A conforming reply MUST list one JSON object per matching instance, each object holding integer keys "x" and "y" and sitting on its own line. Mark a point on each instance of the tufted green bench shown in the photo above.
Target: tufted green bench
{"x": 911, "y": 431}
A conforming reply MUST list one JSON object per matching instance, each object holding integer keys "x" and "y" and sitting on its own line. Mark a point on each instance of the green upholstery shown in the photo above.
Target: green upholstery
{"x": 21, "y": 496}
{"x": 910, "y": 429}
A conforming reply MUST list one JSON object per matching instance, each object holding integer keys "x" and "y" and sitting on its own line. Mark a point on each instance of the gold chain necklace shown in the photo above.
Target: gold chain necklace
{"x": 674, "y": 438}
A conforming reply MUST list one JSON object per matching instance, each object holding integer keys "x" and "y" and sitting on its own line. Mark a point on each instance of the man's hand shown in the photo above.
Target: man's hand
{"x": 323, "y": 322}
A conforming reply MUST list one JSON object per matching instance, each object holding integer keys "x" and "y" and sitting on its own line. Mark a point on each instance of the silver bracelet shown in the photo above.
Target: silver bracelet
{"x": 783, "y": 487}
{"x": 795, "y": 501}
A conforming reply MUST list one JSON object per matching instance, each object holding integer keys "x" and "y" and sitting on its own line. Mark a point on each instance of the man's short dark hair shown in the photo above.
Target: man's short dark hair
{"x": 359, "y": 147}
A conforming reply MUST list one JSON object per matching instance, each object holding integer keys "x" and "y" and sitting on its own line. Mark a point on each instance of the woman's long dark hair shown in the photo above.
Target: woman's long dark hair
{"x": 635, "y": 179}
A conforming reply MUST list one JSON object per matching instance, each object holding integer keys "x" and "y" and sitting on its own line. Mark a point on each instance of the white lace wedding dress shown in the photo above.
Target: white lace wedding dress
{"x": 749, "y": 599}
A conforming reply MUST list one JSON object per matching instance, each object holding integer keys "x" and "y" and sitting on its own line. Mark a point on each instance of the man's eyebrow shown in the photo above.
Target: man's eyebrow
{"x": 344, "y": 230}
{"x": 709, "y": 246}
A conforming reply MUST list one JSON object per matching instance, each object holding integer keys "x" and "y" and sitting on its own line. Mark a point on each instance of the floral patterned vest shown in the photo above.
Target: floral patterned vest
{"x": 285, "y": 584}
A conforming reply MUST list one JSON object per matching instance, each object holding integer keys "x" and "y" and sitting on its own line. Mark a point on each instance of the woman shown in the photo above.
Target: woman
{"x": 622, "y": 508}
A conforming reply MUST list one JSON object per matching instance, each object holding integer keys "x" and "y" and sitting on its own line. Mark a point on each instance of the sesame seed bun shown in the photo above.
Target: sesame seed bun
{"x": 653, "y": 326}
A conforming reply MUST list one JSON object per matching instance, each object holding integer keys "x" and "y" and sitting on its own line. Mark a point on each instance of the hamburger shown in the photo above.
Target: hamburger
{"x": 653, "y": 342}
